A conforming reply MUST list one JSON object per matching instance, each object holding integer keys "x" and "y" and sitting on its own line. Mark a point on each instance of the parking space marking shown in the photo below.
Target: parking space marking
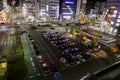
{"x": 31, "y": 76}
{"x": 33, "y": 64}
{"x": 31, "y": 59}
{"x": 38, "y": 74}
{"x": 34, "y": 69}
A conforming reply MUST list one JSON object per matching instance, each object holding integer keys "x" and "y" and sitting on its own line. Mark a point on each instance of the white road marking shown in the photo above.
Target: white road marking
{"x": 33, "y": 64}
{"x": 31, "y": 76}
{"x": 34, "y": 68}
{"x": 38, "y": 74}
{"x": 31, "y": 59}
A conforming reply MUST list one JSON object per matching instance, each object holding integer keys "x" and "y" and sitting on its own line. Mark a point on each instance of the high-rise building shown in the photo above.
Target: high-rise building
{"x": 96, "y": 5}
{"x": 1, "y": 5}
{"x": 43, "y": 11}
{"x": 30, "y": 7}
{"x": 68, "y": 9}
{"x": 54, "y": 9}
{"x": 30, "y": 10}
{"x": 49, "y": 10}
{"x": 113, "y": 15}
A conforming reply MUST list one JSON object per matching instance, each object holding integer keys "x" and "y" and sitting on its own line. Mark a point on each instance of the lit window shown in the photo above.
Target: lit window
{"x": 111, "y": 29}
{"x": 115, "y": 30}
{"x": 115, "y": 11}
{"x": 117, "y": 24}
{"x": 119, "y": 16}
{"x": 112, "y": 22}
{"x": 118, "y": 20}
{"x": 112, "y": 7}
{"x": 114, "y": 15}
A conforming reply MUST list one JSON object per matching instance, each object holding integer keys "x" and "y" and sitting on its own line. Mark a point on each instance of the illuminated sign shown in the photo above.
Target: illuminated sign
{"x": 70, "y": 1}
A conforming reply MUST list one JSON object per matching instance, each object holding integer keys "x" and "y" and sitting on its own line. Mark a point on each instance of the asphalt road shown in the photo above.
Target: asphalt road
{"x": 72, "y": 73}
{"x": 47, "y": 50}
{"x": 96, "y": 64}
{"x": 32, "y": 63}
{"x": 3, "y": 40}
{"x": 6, "y": 40}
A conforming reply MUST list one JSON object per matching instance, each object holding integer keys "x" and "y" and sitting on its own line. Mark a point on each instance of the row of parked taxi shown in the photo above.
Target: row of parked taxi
{"x": 69, "y": 51}
{"x": 46, "y": 65}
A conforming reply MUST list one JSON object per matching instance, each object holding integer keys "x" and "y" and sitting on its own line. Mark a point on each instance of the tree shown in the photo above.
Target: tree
{"x": 73, "y": 31}
{"x": 82, "y": 18}
{"x": 64, "y": 22}
{"x": 94, "y": 42}
{"x": 83, "y": 37}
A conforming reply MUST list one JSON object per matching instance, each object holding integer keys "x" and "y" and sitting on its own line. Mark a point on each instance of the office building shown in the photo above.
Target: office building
{"x": 29, "y": 10}
{"x": 1, "y": 5}
{"x": 97, "y": 6}
{"x": 113, "y": 15}
{"x": 48, "y": 10}
{"x": 54, "y": 9}
{"x": 68, "y": 9}
{"x": 42, "y": 14}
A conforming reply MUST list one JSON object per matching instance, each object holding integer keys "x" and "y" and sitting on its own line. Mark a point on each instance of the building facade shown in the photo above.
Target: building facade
{"x": 54, "y": 9}
{"x": 1, "y": 5}
{"x": 97, "y": 6}
{"x": 68, "y": 9}
{"x": 42, "y": 10}
{"x": 113, "y": 15}
{"x": 30, "y": 10}
{"x": 49, "y": 10}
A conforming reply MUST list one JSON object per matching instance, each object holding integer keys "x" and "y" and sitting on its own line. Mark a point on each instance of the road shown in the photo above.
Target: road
{"x": 32, "y": 63}
{"x": 97, "y": 63}
{"x": 47, "y": 50}
{"x": 6, "y": 41}
{"x": 3, "y": 41}
{"x": 72, "y": 73}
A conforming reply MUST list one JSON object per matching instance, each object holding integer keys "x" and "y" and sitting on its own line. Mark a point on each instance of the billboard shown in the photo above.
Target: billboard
{"x": 70, "y": 1}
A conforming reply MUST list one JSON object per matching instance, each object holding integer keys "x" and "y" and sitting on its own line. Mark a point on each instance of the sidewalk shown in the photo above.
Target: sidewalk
{"x": 99, "y": 30}
{"x": 104, "y": 56}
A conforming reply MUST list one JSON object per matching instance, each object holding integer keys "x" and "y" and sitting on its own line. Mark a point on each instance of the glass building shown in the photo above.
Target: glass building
{"x": 68, "y": 8}
{"x": 113, "y": 15}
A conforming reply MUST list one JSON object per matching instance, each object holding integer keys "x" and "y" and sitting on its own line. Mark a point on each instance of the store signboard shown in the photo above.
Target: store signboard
{"x": 70, "y": 1}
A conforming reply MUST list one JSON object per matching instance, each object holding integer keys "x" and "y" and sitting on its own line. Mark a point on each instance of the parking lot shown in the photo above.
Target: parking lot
{"x": 58, "y": 51}
{"x": 55, "y": 52}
